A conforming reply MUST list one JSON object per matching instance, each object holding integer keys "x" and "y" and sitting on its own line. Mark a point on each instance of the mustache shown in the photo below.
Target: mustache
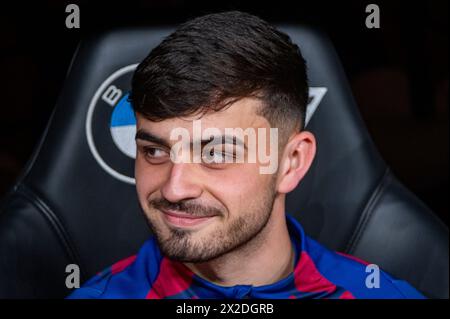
{"x": 187, "y": 207}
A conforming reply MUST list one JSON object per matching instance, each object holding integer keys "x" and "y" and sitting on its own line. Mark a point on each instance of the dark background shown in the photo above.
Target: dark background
{"x": 398, "y": 73}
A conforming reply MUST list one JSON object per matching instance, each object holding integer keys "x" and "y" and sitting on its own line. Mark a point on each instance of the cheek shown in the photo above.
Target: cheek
{"x": 141, "y": 179}
{"x": 148, "y": 179}
{"x": 239, "y": 187}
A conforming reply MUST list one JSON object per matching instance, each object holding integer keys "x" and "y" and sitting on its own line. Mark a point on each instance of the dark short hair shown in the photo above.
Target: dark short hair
{"x": 211, "y": 61}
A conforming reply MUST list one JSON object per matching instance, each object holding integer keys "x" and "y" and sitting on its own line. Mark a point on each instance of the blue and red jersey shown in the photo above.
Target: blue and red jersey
{"x": 318, "y": 273}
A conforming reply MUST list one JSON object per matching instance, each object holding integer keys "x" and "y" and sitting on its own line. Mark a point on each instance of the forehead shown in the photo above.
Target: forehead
{"x": 241, "y": 114}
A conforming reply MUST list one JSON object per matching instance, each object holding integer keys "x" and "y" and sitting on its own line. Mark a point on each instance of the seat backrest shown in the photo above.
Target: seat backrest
{"x": 76, "y": 203}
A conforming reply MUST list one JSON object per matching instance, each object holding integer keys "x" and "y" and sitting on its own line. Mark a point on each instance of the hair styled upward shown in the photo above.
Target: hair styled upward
{"x": 214, "y": 60}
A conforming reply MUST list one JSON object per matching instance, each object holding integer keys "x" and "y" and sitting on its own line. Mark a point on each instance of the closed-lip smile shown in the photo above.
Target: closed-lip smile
{"x": 181, "y": 219}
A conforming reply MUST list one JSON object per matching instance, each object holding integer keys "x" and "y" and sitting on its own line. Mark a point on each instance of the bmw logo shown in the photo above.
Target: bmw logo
{"x": 111, "y": 126}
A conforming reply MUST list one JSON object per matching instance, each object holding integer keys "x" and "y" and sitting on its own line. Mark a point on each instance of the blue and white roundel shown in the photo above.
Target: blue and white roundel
{"x": 123, "y": 127}
{"x": 111, "y": 126}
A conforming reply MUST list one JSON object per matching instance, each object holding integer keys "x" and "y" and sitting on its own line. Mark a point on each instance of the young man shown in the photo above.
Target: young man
{"x": 235, "y": 89}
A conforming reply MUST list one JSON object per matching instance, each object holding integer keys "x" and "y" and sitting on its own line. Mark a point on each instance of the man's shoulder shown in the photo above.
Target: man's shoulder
{"x": 134, "y": 273}
{"x": 360, "y": 278}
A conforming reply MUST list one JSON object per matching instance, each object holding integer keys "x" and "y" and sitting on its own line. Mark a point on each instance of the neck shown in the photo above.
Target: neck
{"x": 266, "y": 259}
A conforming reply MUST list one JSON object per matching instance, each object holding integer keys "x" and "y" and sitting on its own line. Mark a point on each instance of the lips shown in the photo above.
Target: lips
{"x": 181, "y": 219}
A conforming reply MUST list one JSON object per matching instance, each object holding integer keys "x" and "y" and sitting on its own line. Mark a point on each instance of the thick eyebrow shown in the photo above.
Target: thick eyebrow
{"x": 149, "y": 137}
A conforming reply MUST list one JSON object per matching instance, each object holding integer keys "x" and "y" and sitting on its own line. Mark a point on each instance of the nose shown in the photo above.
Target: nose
{"x": 182, "y": 183}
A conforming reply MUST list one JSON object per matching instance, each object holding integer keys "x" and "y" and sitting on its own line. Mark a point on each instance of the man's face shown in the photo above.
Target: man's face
{"x": 201, "y": 210}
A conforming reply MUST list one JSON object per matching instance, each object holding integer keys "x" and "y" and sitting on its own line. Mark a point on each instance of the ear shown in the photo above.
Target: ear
{"x": 297, "y": 157}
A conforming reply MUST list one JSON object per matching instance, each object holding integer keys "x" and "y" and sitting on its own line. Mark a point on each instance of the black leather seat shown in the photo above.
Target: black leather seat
{"x": 75, "y": 201}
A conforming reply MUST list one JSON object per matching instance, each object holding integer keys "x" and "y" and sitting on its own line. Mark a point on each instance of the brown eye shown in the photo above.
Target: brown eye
{"x": 155, "y": 152}
{"x": 155, "y": 155}
{"x": 215, "y": 157}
